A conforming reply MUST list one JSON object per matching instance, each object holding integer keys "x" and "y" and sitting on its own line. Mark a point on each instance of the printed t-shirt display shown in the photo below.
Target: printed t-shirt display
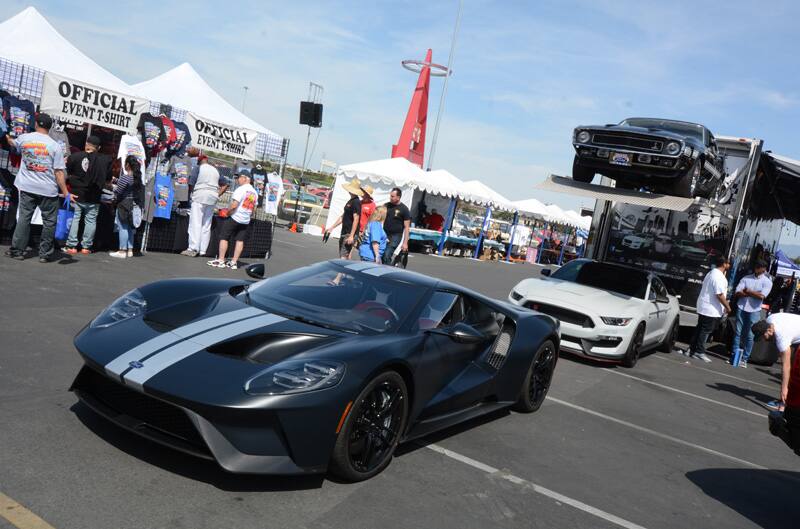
{"x": 170, "y": 137}
{"x": 274, "y": 192}
{"x": 41, "y": 157}
{"x": 164, "y": 196}
{"x": 182, "y": 139}
{"x": 180, "y": 168}
{"x": 19, "y": 115}
{"x": 153, "y": 136}
{"x": 131, "y": 146}
{"x": 62, "y": 139}
{"x": 247, "y": 198}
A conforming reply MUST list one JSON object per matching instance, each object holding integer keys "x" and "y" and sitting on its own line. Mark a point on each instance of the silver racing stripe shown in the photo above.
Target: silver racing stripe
{"x": 172, "y": 355}
{"x": 117, "y": 366}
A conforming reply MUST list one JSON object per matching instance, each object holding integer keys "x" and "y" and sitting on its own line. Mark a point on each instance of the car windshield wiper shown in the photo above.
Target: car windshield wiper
{"x": 303, "y": 319}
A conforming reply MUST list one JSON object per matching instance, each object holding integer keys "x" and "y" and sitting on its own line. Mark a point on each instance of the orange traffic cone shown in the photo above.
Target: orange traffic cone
{"x": 294, "y": 227}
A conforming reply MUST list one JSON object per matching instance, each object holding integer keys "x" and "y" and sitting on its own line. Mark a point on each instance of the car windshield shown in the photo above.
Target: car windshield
{"x": 330, "y": 295}
{"x": 687, "y": 129}
{"x": 605, "y": 276}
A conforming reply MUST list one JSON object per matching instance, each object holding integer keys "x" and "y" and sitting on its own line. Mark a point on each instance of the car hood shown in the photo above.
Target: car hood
{"x": 638, "y": 130}
{"x": 579, "y": 297}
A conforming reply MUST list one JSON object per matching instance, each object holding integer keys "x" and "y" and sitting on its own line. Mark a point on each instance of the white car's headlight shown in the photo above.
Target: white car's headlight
{"x": 126, "y": 307}
{"x": 296, "y": 377}
{"x": 617, "y": 322}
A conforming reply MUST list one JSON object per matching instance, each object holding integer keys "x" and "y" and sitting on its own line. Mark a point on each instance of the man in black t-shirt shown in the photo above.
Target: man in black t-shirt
{"x": 87, "y": 174}
{"x": 396, "y": 225}
{"x": 349, "y": 219}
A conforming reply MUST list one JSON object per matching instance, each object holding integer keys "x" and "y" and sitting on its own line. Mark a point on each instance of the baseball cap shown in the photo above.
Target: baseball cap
{"x": 94, "y": 140}
{"x": 44, "y": 121}
{"x": 244, "y": 172}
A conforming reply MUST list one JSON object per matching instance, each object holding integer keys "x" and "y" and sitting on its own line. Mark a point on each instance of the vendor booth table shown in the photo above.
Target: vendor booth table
{"x": 454, "y": 244}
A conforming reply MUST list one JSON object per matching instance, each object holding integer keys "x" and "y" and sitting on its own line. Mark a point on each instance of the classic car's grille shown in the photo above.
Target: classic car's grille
{"x": 613, "y": 140}
{"x": 500, "y": 350}
{"x": 564, "y": 315}
{"x": 155, "y": 413}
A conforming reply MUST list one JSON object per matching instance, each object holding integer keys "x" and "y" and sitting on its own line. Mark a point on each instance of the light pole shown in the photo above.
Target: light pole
{"x": 244, "y": 97}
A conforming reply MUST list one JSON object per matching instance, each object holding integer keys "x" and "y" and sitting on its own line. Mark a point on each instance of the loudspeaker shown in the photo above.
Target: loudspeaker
{"x": 317, "y": 121}
{"x": 306, "y": 112}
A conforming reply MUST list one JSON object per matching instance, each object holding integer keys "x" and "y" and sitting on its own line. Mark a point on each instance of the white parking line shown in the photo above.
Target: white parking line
{"x": 535, "y": 488}
{"x": 290, "y": 243}
{"x": 679, "y": 362}
{"x": 688, "y": 394}
{"x": 701, "y": 448}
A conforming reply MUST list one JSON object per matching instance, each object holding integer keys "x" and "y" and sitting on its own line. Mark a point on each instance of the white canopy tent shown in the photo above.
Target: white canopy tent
{"x": 30, "y": 40}
{"x": 490, "y": 196}
{"x": 183, "y": 87}
{"x": 532, "y": 207}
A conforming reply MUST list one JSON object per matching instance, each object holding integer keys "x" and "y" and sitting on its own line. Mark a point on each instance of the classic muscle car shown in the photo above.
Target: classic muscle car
{"x": 662, "y": 155}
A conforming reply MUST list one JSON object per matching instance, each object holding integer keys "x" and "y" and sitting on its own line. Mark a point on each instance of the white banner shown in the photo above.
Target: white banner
{"x": 84, "y": 103}
{"x": 225, "y": 139}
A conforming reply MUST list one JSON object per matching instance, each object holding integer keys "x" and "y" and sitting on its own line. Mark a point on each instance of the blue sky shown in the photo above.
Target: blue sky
{"x": 525, "y": 73}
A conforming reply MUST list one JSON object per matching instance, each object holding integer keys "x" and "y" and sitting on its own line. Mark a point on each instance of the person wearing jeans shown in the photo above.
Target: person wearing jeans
{"x": 750, "y": 293}
{"x": 128, "y": 194}
{"x": 711, "y": 306}
{"x": 88, "y": 172}
{"x": 28, "y": 202}
{"x": 87, "y": 212}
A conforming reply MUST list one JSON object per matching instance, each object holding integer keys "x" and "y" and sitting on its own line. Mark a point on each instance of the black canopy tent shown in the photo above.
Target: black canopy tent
{"x": 777, "y": 197}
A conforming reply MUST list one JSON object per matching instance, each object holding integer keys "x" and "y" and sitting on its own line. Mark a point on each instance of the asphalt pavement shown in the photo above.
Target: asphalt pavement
{"x": 670, "y": 443}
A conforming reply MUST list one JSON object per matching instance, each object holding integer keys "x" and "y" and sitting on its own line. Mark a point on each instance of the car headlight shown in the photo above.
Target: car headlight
{"x": 126, "y": 307}
{"x": 673, "y": 148}
{"x": 296, "y": 377}
{"x": 617, "y": 322}
{"x": 583, "y": 136}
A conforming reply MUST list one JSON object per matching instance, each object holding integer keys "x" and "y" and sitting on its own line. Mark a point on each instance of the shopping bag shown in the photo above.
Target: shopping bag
{"x": 64, "y": 222}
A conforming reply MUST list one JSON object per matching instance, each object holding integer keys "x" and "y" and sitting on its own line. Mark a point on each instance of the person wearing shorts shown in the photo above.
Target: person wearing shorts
{"x": 234, "y": 228}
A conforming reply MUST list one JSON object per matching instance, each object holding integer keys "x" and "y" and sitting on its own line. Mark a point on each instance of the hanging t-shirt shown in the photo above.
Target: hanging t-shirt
{"x": 183, "y": 138}
{"x": 180, "y": 167}
{"x": 274, "y": 192}
{"x": 131, "y": 146}
{"x": 61, "y": 138}
{"x": 19, "y": 115}
{"x": 164, "y": 196}
{"x": 152, "y": 130}
{"x": 41, "y": 157}
{"x": 170, "y": 137}
{"x": 246, "y": 197}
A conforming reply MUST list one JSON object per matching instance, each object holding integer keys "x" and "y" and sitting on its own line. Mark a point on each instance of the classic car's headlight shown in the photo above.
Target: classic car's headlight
{"x": 583, "y": 136}
{"x": 130, "y": 305}
{"x": 673, "y": 148}
{"x": 617, "y": 322}
{"x": 296, "y": 377}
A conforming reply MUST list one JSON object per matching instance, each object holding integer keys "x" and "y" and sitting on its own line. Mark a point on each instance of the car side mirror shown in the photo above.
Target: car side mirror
{"x": 546, "y": 272}
{"x": 256, "y": 270}
{"x": 461, "y": 333}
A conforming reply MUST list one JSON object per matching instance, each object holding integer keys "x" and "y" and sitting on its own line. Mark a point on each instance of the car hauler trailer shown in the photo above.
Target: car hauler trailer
{"x": 678, "y": 237}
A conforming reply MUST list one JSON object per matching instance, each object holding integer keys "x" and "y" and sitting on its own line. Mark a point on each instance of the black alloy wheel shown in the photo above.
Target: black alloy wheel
{"x": 372, "y": 430}
{"x": 668, "y": 345}
{"x": 580, "y": 173}
{"x": 538, "y": 379}
{"x": 634, "y": 348}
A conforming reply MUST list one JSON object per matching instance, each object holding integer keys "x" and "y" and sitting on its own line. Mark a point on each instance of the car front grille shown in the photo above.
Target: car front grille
{"x": 614, "y": 140}
{"x": 151, "y": 412}
{"x": 561, "y": 314}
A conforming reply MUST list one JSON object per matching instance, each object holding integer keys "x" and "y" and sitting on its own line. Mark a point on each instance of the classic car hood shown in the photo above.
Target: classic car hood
{"x": 639, "y": 130}
{"x": 578, "y": 297}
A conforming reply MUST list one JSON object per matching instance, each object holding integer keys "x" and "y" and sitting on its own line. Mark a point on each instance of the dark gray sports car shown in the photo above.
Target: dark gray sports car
{"x": 663, "y": 155}
{"x": 328, "y": 366}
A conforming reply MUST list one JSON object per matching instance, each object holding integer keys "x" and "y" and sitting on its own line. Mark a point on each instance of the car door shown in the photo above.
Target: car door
{"x": 660, "y": 304}
{"x": 452, "y": 378}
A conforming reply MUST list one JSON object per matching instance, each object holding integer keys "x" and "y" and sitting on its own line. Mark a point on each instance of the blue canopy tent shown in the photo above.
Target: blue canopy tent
{"x": 786, "y": 267}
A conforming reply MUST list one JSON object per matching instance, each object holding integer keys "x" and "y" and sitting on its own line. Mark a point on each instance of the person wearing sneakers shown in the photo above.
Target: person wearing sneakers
{"x": 711, "y": 306}
{"x": 349, "y": 219}
{"x": 128, "y": 195}
{"x": 750, "y": 293}
{"x": 243, "y": 203}
{"x": 88, "y": 171}
{"x": 207, "y": 185}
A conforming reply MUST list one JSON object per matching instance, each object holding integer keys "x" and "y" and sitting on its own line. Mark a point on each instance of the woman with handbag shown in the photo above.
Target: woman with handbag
{"x": 129, "y": 196}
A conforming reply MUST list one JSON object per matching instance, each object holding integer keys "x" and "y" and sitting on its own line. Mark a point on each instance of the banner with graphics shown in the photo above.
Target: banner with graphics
{"x": 224, "y": 139}
{"x": 80, "y": 102}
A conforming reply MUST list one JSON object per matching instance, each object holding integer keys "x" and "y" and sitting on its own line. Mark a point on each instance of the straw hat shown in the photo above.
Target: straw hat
{"x": 368, "y": 190}
{"x": 354, "y": 187}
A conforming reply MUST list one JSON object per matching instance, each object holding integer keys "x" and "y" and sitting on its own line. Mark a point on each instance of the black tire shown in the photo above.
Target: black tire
{"x": 537, "y": 380}
{"x": 634, "y": 348}
{"x": 688, "y": 185}
{"x": 668, "y": 345}
{"x": 356, "y": 456}
{"x": 580, "y": 173}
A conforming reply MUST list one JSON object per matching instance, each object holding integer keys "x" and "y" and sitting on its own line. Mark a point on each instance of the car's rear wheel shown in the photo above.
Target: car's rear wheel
{"x": 372, "y": 429}
{"x": 634, "y": 348}
{"x": 580, "y": 173}
{"x": 668, "y": 345}
{"x": 688, "y": 185}
{"x": 537, "y": 380}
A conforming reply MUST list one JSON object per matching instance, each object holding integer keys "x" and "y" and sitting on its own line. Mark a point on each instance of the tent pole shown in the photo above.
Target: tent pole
{"x": 486, "y": 218}
{"x": 451, "y": 211}
{"x": 511, "y": 238}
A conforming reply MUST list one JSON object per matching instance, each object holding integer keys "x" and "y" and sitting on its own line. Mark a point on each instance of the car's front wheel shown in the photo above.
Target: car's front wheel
{"x": 372, "y": 429}
{"x": 580, "y": 173}
{"x": 634, "y": 348}
{"x": 668, "y": 345}
{"x": 537, "y": 380}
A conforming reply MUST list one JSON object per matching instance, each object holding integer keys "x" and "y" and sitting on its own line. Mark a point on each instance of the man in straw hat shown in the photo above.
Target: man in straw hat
{"x": 349, "y": 219}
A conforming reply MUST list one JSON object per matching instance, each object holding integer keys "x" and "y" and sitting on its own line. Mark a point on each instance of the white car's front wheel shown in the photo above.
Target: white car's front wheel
{"x": 634, "y": 348}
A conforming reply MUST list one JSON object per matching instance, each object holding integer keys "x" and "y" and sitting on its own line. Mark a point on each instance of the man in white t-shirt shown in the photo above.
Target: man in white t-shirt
{"x": 243, "y": 203}
{"x": 206, "y": 186}
{"x": 712, "y": 305}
